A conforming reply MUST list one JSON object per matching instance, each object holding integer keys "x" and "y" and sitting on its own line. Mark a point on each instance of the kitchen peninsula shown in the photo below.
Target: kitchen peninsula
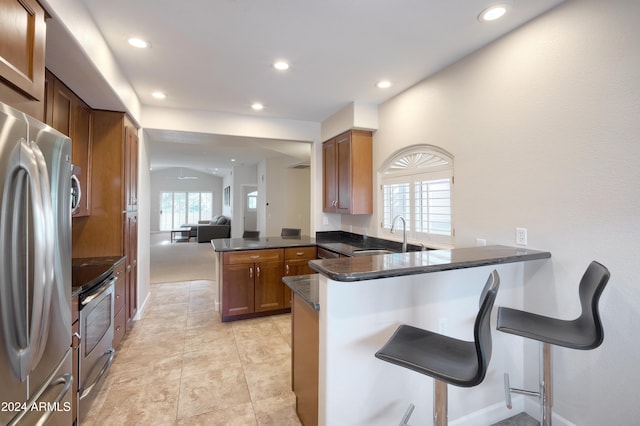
{"x": 361, "y": 301}
{"x": 250, "y": 272}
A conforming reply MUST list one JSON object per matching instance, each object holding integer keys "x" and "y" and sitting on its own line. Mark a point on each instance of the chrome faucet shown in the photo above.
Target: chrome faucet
{"x": 404, "y": 231}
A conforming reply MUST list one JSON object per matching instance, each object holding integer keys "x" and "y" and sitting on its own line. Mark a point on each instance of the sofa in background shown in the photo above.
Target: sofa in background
{"x": 207, "y": 230}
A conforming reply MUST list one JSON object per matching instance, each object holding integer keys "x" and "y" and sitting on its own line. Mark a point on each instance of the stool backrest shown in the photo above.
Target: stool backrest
{"x": 592, "y": 284}
{"x": 251, "y": 234}
{"x": 290, "y": 232}
{"x": 482, "y": 326}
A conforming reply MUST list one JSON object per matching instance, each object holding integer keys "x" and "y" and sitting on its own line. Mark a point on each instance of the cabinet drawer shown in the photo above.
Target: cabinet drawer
{"x": 119, "y": 326}
{"x": 292, "y": 253}
{"x": 253, "y": 256}
{"x": 120, "y": 290}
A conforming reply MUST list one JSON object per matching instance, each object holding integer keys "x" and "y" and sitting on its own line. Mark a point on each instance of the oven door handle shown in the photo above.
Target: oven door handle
{"x": 101, "y": 290}
{"x": 87, "y": 389}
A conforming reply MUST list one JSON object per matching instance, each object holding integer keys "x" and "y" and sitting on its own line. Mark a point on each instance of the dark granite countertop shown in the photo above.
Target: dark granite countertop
{"x": 87, "y": 271}
{"x": 305, "y": 286}
{"x": 239, "y": 244}
{"x": 410, "y": 263}
{"x": 346, "y": 243}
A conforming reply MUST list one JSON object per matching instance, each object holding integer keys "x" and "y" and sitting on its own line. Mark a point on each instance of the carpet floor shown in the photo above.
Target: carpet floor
{"x": 180, "y": 261}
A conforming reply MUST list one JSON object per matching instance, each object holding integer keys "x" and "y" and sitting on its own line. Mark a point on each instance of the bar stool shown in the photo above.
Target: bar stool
{"x": 584, "y": 333}
{"x": 446, "y": 359}
{"x": 290, "y": 232}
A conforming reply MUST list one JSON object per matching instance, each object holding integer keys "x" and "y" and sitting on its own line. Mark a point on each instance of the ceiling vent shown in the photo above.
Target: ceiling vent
{"x": 182, "y": 177}
{"x": 303, "y": 165}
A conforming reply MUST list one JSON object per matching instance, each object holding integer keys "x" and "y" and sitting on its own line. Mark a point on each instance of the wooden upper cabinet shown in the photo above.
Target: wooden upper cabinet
{"x": 348, "y": 173}
{"x": 67, "y": 113}
{"x": 22, "y": 46}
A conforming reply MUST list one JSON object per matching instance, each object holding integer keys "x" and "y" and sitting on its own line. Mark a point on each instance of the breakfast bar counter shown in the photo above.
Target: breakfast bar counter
{"x": 362, "y": 300}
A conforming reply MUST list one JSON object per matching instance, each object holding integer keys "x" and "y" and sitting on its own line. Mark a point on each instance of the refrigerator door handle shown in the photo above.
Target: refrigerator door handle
{"x": 66, "y": 380}
{"x": 48, "y": 240}
{"x": 25, "y": 347}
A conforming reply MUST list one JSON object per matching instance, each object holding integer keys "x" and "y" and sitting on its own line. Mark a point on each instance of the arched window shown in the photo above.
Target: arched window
{"x": 417, "y": 183}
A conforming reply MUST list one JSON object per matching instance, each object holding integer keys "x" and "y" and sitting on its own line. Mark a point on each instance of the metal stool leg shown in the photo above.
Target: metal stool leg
{"x": 546, "y": 385}
{"x": 440, "y": 403}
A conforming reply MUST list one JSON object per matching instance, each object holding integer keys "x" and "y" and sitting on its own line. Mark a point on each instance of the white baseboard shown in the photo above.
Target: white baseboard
{"x": 142, "y": 307}
{"x": 532, "y": 408}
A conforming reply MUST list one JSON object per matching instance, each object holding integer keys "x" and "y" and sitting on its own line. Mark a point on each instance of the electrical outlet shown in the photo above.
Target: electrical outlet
{"x": 481, "y": 242}
{"x": 521, "y": 236}
{"x": 442, "y": 326}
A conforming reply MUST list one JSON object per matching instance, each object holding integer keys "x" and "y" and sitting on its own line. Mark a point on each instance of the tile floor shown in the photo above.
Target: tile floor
{"x": 181, "y": 366}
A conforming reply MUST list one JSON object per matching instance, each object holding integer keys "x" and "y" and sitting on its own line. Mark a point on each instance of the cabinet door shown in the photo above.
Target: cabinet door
{"x": 237, "y": 289}
{"x": 61, "y": 107}
{"x": 131, "y": 268}
{"x": 343, "y": 157}
{"x": 80, "y": 151}
{"x": 294, "y": 267}
{"x": 22, "y": 46}
{"x": 269, "y": 295}
{"x": 131, "y": 168}
{"x": 330, "y": 176}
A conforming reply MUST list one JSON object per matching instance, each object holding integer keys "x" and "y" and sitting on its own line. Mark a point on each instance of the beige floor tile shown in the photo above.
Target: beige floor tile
{"x": 180, "y": 365}
{"x": 268, "y": 379}
{"x": 278, "y": 411}
{"x": 196, "y": 337}
{"x": 265, "y": 349}
{"x": 152, "y": 404}
{"x": 252, "y": 329}
{"x": 146, "y": 370}
{"x": 200, "y": 319}
{"x": 209, "y": 359}
{"x": 215, "y": 390}
{"x": 238, "y": 415}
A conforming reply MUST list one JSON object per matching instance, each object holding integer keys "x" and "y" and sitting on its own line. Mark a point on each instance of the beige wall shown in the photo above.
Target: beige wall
{"x": 544, "y": 126}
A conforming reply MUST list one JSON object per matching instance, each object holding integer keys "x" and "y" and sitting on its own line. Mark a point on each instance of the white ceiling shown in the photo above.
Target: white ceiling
{"x": 217, "y": 56}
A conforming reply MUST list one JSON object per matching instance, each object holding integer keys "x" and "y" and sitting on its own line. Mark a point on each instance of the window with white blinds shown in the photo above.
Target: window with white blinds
{"x": 417, "y": 184}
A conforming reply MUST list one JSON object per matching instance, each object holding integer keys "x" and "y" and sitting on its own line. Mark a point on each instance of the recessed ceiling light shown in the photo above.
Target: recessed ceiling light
{"x": 492, "y": 13}
{"x": 233, "y": 159}
{"x": 138, "y": 42}
{"x": 257, "y": 106}
{"x": 383, "y": 84}
{"x": 281, "y": 65}
{"x": 159, "y": 95}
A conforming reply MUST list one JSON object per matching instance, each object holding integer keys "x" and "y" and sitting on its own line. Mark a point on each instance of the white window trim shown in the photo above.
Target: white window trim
{"x": 427, "y": 170}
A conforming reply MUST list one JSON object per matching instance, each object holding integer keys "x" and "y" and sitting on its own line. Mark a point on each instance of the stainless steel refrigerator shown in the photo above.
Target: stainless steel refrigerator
{"x": 35, "y": 272}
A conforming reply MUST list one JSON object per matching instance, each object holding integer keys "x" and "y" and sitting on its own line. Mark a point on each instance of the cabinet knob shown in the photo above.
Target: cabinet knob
{"x": 286, "y": 269}
{"x": 257, "y": 271}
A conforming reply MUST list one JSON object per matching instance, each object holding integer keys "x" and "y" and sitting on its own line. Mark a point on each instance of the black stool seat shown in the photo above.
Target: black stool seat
{"x": 584, "y": 332}
{"x": 444, "y": 358}
{"x": 450, "y": 360}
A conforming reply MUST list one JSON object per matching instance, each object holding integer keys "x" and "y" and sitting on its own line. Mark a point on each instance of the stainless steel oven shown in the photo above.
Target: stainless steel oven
{"x": 96, "y": 331}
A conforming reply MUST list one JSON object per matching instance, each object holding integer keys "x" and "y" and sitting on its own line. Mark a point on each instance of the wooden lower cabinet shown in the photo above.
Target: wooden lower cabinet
{"x": 251, "y": 283}
{"x": 119, "y": 305}
{"x": 297, "y": 263}
{"x": 304, "y": 360}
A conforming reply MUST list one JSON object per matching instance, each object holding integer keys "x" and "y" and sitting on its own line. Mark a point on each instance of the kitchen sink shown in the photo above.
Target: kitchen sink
{"x": 371, "y": 252}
